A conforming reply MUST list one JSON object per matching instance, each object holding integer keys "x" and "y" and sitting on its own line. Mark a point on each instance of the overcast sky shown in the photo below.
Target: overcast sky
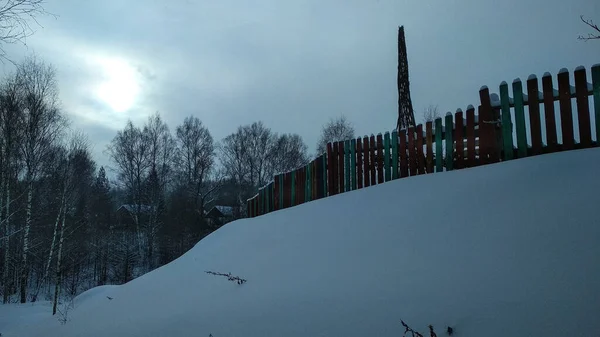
{"x": 294, "y": 64}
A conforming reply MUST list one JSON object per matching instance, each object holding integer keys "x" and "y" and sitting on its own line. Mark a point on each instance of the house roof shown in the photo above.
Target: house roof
{"x": 131, "y": 208}
{"x": 221, "y": 211}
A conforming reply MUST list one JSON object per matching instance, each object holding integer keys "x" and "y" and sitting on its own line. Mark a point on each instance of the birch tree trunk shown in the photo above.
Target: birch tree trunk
{"x": 24, "y": 267}
{"x": 6, "y": 281}
{"x": 57, "y": 281}
{"x": 53, "y": 244}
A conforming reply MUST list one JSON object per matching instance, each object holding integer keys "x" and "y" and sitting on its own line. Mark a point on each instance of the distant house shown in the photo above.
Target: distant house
{"x": 126, "y": 214}
{"x": 221, "y": 214}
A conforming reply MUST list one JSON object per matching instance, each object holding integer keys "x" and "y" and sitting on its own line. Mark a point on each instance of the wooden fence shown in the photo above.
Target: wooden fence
{"x": 500, "y": 130}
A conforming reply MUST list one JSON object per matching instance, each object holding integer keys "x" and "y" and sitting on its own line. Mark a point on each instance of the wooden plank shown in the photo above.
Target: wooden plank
{"x": 341, "y": 168}
{"x": 429, "y": 142}
{"x": 535, "y": 123}
{"x": 309, "y": 170}
{"x": 507, "y": 127}
{"x": 403, "y": 155}
{"x": 347, "y": 184}
{"x": 256, "y": 205}
{"x": 566, "y": 111}
{"x": 596, "y": 93}
{"x": 412, "y": 152}
{"x": 353, "y": 163}
{"x": 276, "y": 194}
{"x": 395, "y": 155}
{"x": 324, "y": 177}
{"x": 549, "y": 114}
{"x": 387, "y": 156}
{"x": 359, "y": 163}
{"x": 459, "y": 139}
{"x": 379, "y": 156}
{"x": 449, "y": 143}
{"x": 420, "y": 154}
{"x": 373, "y": 160}
{"x": 300, "y": 179}
{"x": 293, "y": 189}
{"x": 470, "y": 133}
{"x": 367, "y": 160}
{"x": 439, "y": 156}
{"x": 330, "y": 170}
{"x": 488, "y": 140}
{"x": 315, "y": 179}
{"x": 335, "y": 168}
{"x": 520, "y": 118}
{"x": 583, "y": 108}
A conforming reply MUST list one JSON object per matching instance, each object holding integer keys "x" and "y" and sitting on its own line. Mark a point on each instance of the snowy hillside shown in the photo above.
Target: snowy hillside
{"x": 510, "y": 249}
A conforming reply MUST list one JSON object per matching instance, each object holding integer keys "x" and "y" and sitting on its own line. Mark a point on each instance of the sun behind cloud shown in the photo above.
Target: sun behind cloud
{"x": 120, "y": 84}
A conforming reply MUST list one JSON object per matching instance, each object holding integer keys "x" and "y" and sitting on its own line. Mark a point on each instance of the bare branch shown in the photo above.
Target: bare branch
{"x": 15, "y": 19}
{"x": 590, "y": 36}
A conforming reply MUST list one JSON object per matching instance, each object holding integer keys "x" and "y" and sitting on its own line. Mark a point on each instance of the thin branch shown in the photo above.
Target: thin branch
{"x": 591, "y": 24}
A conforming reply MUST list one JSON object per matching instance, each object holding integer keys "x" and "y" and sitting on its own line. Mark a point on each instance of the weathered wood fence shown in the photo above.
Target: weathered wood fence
{"x": 500, "y": 130}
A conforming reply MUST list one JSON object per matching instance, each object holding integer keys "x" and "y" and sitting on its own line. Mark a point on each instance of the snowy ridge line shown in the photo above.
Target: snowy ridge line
{"x": 357, "y": 167}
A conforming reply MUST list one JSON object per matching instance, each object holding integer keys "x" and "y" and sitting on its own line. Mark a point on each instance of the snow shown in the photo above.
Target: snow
{"x": 503, "y": 83}
{"x": 580, "y": 68}
{"x": 483, "y": 87}
{"x": 532, "y": 77}
{"x": 563, "y": 70}
{"x": 596, "y": 65}
{"x": 517, "y": 80}
{"x": 521, "y": 261}
{"x": 547, "y": 74}
{"x": 471, "y": 107}
{"x": 448, "y": 113}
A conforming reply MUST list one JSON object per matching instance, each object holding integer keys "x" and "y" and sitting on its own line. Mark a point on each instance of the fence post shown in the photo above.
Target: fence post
{"x": 566, "y": 112}
{"x": 520, "y": 118}
{"x": 359, "y": 163}
{"x": 596, "y": 90}
{"x": 471, "y": 136}
{"x": 489, "y": 140}
{"x": 373, "y": 160}
{"x": 412, "y": 154}
{"x": 551, "y": 135}
{"x": 535, "y": 123}
{"x": 583, "y": 107}
{"x": 353, "y": 162}
{"x": 507, "y": 132}
{"x": 367, "y": 161}
{"x": 439, "y": 156}
{"x": 429, "y": 142}
{"x": 340, "y": 168}
{"x": 449, "y": 143}
{"x": 386, "y": 158}
{"x": 395, "y": 155}
{"x": 347, "y": 165}
{"x": 460, "y": 145}
{"x": 403, "y": 154}
{"x": 420, "y": 154}
{"x": 324, "y": 177}
{"x": 380, "y": 169}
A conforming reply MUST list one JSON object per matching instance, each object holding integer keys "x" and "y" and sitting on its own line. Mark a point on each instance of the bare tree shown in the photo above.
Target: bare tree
{"x": 15, "y": 19}
{"x": 288, "y": 153}
{"x": 130, "y": 151}
{"x": 431, "y": 113}
{"x": 42, "y": 126}
{"x": 196, "y": 158}
{"x": 335, "y": 130}
{"x": 595, "y": 34}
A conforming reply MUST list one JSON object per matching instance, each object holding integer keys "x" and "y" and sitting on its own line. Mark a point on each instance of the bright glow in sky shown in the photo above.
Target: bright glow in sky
{"x": 120, "y": 87}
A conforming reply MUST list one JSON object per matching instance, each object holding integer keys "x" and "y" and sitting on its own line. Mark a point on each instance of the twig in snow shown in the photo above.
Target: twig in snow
{"x": 229, "y": 277}
{"x": 431, "y": 332}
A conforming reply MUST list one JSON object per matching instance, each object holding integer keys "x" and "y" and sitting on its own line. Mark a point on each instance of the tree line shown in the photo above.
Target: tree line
{"x": 64, "y": 227}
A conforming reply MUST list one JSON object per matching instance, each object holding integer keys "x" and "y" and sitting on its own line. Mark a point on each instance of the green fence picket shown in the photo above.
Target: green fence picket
{"x": 353, "y": 163}
{"x": 520, "y": 118}
{"x": 386, "y": 158}
{"x": 449, "y": 143}
{"x": 293, "y": 184}
{"x": 596, "y": 89}
{"x": 506, "y": 123}
{"x": 439, "y": 156}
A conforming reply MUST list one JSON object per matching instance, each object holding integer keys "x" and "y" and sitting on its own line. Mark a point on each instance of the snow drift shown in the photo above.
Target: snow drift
{"x": 510, "y": 249}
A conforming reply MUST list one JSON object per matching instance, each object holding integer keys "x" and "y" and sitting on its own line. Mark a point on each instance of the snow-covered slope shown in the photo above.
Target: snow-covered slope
{"x": 504, "y": 250}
